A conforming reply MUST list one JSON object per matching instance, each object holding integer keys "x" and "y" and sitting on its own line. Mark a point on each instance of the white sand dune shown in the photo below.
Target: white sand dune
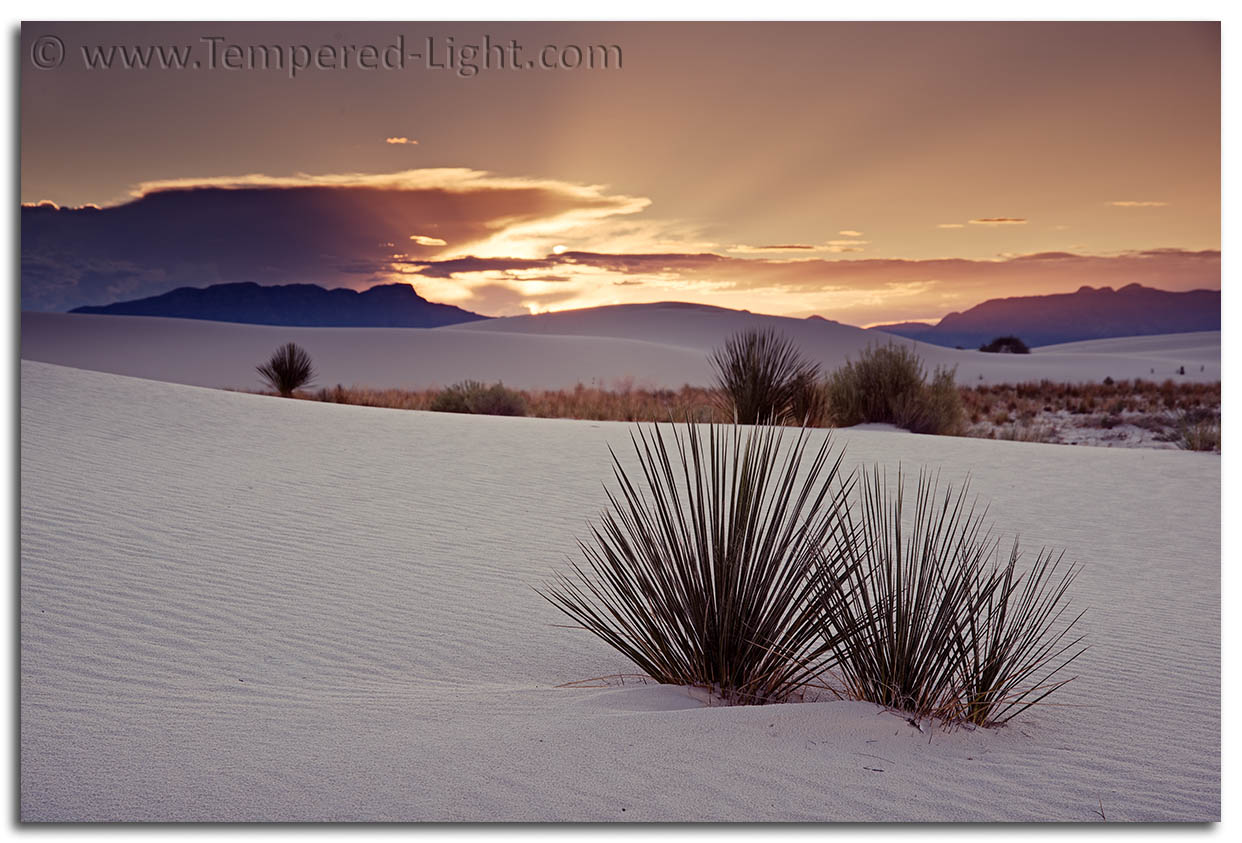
{"x": 1198, "y": 347}
{"x": 236, "y": 607}
{"x": 653, "y": 345}
{"x": 704, "y": 328}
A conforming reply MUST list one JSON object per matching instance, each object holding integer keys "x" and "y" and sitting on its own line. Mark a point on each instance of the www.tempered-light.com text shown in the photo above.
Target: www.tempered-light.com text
{"x": 217, "y": 53}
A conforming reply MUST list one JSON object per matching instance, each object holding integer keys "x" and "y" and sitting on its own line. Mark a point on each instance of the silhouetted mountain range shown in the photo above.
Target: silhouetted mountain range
{"x": 383, "y": 306}
{"x": 1087, "y": 314}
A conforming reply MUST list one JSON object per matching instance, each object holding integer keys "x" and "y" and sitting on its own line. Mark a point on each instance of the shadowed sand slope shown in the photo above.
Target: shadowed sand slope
{"x": 655, "y": 345}
{"x": 236, "y": 607}
{"x": 224, "y": 354}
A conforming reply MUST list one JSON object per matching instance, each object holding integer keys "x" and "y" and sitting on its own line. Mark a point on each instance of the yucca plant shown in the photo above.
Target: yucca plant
{"x": 288, "y": 369}
{"x": 907, "y": 594}
{"x": 929, "y": 623}
{"x": 763, "y": 377}
{"x": 699, "y": 572}
{"x": 1015, "y": 644}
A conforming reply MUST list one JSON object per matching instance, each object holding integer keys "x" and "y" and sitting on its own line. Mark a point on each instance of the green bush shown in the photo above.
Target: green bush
{"x": 764, "y": 379}
{"x": 288, "y": 369}
{"x": 888, "y": 383}
{"x": 700, "y": 572}
{"x": 478, "y": 398}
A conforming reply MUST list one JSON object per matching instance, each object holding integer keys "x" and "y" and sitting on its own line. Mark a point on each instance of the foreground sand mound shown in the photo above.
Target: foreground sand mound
{"x": 245, "y": 608}
{"x": 648, "y": 345}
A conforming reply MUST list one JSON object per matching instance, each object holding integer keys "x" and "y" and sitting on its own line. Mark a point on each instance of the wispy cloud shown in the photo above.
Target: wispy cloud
{"x": 831, "y": 247}
{"x": 998, "y": 221}
{"x": 1131, "y": 203}
{"x": 424, "y": 240}
{"x": 777, "y": 247}
{"x": 850, "y": 233}
{"x": 401, "y": 141}
{"x": 951, "y": 225}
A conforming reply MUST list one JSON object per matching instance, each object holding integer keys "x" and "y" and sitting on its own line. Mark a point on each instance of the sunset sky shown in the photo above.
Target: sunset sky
{"x": 863, "y": 172}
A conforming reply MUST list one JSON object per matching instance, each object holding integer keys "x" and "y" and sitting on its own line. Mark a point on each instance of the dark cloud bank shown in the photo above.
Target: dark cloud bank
{"x": 361, "y": 234}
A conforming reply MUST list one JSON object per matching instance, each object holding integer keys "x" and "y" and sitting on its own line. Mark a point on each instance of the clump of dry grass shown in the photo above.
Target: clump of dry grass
{"x": 1198, "y": 431}
{"x": 627, "y": 403}
{"x": 479, "y": 399}
{"x": 622, "y": 403}
{"x": 1027, "y": 411}
{"x": 1109, "y": 398}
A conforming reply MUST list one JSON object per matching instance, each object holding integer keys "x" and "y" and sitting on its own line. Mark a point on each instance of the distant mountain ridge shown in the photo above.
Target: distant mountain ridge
{"x": 305, "y": 305}
{"x": 1087, "y": 314}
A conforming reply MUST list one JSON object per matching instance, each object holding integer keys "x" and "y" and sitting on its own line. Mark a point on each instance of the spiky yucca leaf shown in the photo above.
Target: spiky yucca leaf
{"x": 699, "y": 570}
{"x": 288, "y": 369}
{"x": 764, "y": 379}
{"x": 928, "y": 622}
{"x": 907, "y": 594}
{"x": 1015, "y": 645}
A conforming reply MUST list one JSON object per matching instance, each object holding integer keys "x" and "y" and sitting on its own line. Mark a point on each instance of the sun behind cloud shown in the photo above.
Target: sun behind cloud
{"x": 424, "y": 240}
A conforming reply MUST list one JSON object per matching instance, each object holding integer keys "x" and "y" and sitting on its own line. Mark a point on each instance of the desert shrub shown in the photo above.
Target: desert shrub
{"x": 888, "y": 383}
{"x": 931, "y": 623}
{"x": 479, "y": 398}
{"x": 761, "y": 376}
{"x": 336, "y": 395}
{"x": 1006, "y": 345}
{"x": 1016, "y": 640}
{"x": 1197, "y": 430}
{"x": 699, "y": 571}
{"x": 808, "y": 406}
{"x": 288, "y": 369}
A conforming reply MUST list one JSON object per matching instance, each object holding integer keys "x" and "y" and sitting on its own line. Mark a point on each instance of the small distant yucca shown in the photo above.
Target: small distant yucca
{"x": 288, "y": 369}
{"x": 764, "y": 379}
